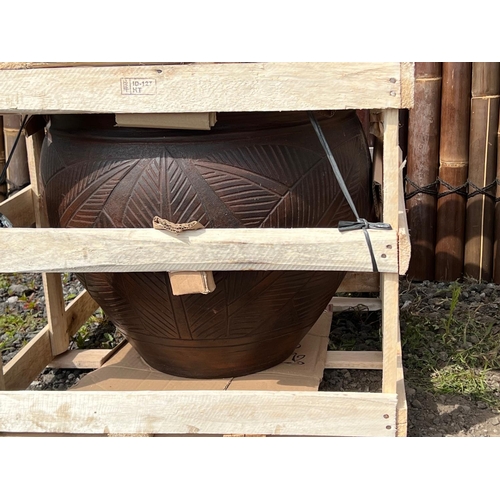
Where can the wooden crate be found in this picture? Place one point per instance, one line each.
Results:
(385, 87)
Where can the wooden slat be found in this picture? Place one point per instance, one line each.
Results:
(404, 245)
(193, 412)
(2, 380)
(56, 315)
(359, 282)
(18, 208)
(80, 358)
(52, 284)
(28, 363)
(78, 312)
(355, 360)
(338, 304)
(134, 250)
(390, 282)
(401, 407)
(206, 88)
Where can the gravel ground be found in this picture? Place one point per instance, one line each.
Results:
(438, 324)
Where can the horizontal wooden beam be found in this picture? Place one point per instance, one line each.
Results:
(18, 208)
(136, 250)
(356, 360)
(205, 87)
(338, 304)
(360, 282)
(199, 412)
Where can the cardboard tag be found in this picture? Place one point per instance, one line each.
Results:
(186, 282)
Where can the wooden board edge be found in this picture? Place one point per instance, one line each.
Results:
(338, 304)
(402, 405)
(354, 360)
(89, 359)
(200, 412)
(115, 250)
(19, 209)
(29, 362)
(230, 87)
(360, 282)
(404, 243)
(407, 85)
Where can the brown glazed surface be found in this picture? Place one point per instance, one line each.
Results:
(251, 170)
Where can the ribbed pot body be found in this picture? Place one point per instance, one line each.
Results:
(250, 170)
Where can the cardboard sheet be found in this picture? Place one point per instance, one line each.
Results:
(302, 371)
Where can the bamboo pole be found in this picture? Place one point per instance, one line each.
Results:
(453, 166)
(17, 173)
(479, 228)
(496, 246)
(422, 168)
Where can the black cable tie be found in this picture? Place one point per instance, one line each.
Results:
(360, 222)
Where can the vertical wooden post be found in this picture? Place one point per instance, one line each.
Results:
(453, 166)
(422, 168)
(479, 226)
(390, 281)
(3, 185)
(17, 174)
(2, 381)
(54, 298)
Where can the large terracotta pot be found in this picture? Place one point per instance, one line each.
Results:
(251, 170)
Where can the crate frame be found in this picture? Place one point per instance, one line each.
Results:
(382, 87)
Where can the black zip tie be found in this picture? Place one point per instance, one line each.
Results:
(11, 154)
(345, 225)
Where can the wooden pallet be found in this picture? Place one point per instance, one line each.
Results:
(385, 87)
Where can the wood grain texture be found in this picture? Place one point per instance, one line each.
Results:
(402, 405)
(17, 173)
(200, 412)
(407, 85)
(80, 359)
(355, 360)
(338, 304)
(135, 250)
(2, 380)
(206, 88)
(480, 210)
(18, 208)
(360, 282)
(28, 363)
(389, 283)
(422, 167)
(390, 328)
(404, 244)
(453, 168)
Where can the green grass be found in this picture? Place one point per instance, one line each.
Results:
(451, 354)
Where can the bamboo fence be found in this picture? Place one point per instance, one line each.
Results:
(422, 168)
(479, 230)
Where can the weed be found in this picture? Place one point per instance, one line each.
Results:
(451, 354)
